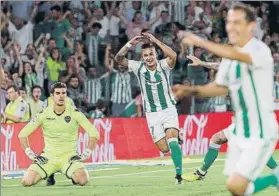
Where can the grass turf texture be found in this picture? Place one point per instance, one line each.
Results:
(134, 180)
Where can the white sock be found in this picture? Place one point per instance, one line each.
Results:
(250, 189)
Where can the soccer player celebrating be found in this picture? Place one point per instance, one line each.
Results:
(159, 103)
(60, 125)
(246, 71)
(218, 139)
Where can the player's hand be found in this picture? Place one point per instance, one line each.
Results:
(181, 91)
(41, 159)
(190, 39)
(196, 61)
(84, 156)
(150, 37)
(136, 40)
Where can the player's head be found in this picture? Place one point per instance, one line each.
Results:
(59, 93)
(148, 54)
(241, 21)
(12, 93)
(36, 92)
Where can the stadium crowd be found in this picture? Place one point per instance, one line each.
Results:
(75, 43)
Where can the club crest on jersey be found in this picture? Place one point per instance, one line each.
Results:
(67, 119)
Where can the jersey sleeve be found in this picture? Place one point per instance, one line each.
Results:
(21, 110)
(164, 64)
(134, 65)
(32, 125)
(86, 124)
(222, 74)
(260, 54)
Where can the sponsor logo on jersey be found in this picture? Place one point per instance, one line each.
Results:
(50, 118)
(67, 119)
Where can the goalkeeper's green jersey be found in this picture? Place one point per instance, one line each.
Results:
(60, 131)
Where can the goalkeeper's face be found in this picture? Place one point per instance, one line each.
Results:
(59, 96)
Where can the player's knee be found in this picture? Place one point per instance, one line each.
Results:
(236, 188)
(27, 182)
(165, 150)
(171, 133)
(218, 138)
(83, 181)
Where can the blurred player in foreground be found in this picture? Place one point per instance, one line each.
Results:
(218, 139)
(158, 100)
(246, 71)
(60, 125)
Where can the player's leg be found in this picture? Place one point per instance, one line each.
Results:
(36, 172)
(216, 141)
(255, 154)
(171, 127)
(31, 178)
(75, 171)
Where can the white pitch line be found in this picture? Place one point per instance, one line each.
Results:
(113, 176)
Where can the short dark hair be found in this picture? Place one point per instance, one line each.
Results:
(164, 12)
(14, 87)
(147, 45)
(22, 89)
(96, 25)
(57, 85)
(100, 104)
(56, 8)
(36, 86)
(249, 11)
(73, 76)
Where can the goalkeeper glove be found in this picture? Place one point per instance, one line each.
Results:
(84, 156)
(34, 157)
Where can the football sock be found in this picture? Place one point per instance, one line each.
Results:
(176, 154)
(261, 183)
(271, 163)
(210, 156)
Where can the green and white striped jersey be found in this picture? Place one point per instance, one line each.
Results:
(251, 91)
(155, 85)
(276, 90)
(220, 100)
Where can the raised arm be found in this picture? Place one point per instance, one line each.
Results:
(68, 41)
(222, 50)
(121, 16)
(158, 15)
(171, 55)
(120, 56)
(20, 70)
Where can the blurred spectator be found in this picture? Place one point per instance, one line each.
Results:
(23, 33)
(140, 112)
(54, 65)
(99, 111)
(23, 93)
(184, 105)
(93, 85)
(76, 93)
(276, 91)
(17, 110)
(36, 105)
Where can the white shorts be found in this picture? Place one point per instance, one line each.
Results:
(228, 131)
(159, 121)
(248, 157)
(220, 108)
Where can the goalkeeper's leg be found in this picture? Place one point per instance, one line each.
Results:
(30, 178)
(76, 171)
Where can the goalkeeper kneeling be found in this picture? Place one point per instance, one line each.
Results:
(60, 124)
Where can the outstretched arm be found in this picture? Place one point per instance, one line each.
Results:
(171, 55)
(198, 62)
(120, 56)
(209, 90)
(222, 50)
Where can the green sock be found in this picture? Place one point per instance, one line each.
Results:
(261, 183)
(210, 156)
(176, 155)
(271, 163)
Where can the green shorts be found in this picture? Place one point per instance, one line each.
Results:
(57, 165)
